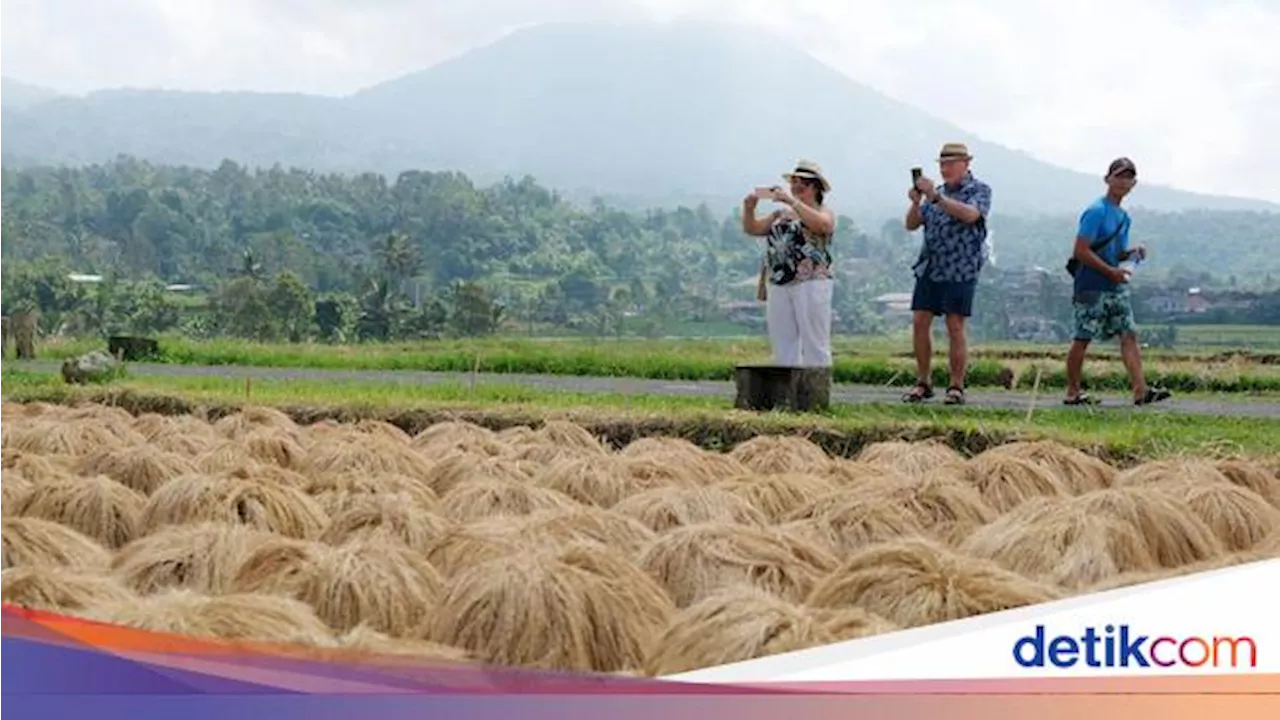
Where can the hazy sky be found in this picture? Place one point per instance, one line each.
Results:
(1189, 88)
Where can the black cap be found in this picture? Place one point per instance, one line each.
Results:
(1120, 165)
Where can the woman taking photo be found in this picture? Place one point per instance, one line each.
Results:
(796, 279)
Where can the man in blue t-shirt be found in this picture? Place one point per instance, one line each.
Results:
(1101, 301)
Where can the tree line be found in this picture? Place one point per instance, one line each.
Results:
(291, 254)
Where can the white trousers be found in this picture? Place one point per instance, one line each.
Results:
(798, 315)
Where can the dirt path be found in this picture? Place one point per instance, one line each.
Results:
(1235, 406)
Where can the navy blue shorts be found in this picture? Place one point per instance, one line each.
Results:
(944, 298)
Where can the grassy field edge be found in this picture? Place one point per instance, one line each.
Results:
(1119, 442)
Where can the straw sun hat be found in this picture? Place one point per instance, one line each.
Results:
(809, 170)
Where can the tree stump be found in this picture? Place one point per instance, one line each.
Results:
(133, 349)
(24, 335)
(773, 387)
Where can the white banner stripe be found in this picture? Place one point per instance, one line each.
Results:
(1231, 603)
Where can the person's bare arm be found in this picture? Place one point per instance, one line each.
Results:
(819, 220)
(753, 225)
(914, 219)
(967, 213)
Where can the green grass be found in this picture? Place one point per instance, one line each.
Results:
(1255, 337)
(1122, 434)
(869, 361)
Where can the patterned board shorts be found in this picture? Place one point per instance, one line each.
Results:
(1104, 315)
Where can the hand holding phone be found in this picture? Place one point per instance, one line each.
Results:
(916, 174)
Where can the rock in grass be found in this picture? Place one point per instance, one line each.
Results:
(92, 367)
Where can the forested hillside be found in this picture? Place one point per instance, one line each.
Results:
(279, 254)
(643, 115)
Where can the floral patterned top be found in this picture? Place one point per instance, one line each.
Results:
(795, 253)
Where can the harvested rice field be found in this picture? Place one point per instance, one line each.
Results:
(547, 548)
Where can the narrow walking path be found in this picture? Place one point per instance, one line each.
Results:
(1236, 406)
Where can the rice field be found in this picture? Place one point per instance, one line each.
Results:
(545, 547)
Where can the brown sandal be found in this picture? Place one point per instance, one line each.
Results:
(920, 393)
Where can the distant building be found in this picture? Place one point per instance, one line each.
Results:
(893, 305)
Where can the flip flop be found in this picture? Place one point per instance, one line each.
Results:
(1081, 399)
(1154, 395)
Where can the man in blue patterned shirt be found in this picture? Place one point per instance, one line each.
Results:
(954, 217)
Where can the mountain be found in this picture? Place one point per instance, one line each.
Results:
(18, 95)
(637, 114)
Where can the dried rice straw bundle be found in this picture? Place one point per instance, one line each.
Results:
(481, 499)
(98, 507)
(661, 448)
(778, 494)
(941, 504)
(1079, 471)
(35, 467)
(517, 435)
(335, 492)
(733, 624)
(1130, 579)
(268, 475)
(150, 424)
(142, 468)
(370, 454)
(247, 616)
(34, 542)
(204, 557)
(60, 590)
(694, 561)
(920, 582)
(661, 509)
(860, 475)
(14, 489)
(848, 520)
(465, 545)
(277, 566)
(76, 438)
(371, 580)
(910, 458)
(599, 481)
(1253, 476)
(445, 438)
(394, 517)
(1174, 470)
(649, 473)
(253, 418)
(1006, 481)
(704, 466)
(569, 434)
(541, 454)
(781, 454)
(382, 429)
(202, 498)
(97, 413)
(851, 623)
(459, 469)
(583, 607)
(1175, 535)
(585, 524)
(1061, 544)
(1239, 517)
(274, 448)
(364, 639)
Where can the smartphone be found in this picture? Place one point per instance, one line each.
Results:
(915, 175)
(765, 193)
